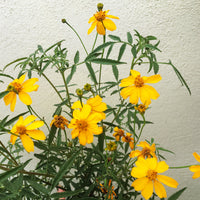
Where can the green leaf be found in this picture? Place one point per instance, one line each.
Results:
(38, 186)
(40, 48)
(52, 134)
(109, 51)
(129, 37)
(73, 70)
(105, 61)
(76, 57)
(92, 56)
(150, 37)
(12, 172)
(103, 46)
(176, 195)
(57, 43)
(134, 51)
(91, 71)
(183, 82)
(17, 60)
(115, 72)
(6, 75)
(114, 37)
(11, 121)
(2, 94)
(155, 67)
(64, 169)
(66, 194)
(150, 46)
(121, 51)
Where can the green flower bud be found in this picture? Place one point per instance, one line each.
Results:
(87, 87)
(10, 88)
(79, 92)
(64, 21)
(99, 6)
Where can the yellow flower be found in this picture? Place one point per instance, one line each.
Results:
(128, 139)
(20, 88)
(141, 108)
(27, 130)
(135, 88)
(100, 21)
(118, 133)
(146, 152)
(111, 146)
(84, 124)
(59, 121)
(96, 104)
(148, 177)
(195, 168)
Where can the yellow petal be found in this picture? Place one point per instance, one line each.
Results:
(21, 79)
(76, 105)
(34, 125)
(167, 181)
(126, 92)
(135, 153)
(143, 144)
(19, 122)
(152, 79)
(89, 136)
(86, 110)
(36, 134)
(137, 172)
(92, 27)
(197, 157)
(29, 119)
(28, 85)
(100, 28)
(109, 24)
(92, 19)
(27, 143)
(74, 133)
(151, 163)
(195, 168)
(140, 183)
(13, 139)
(153, 94)
(112, 16)
(13, 102)
(159, 189)
(148, 190)
(97, 130)
(196, 175)
(82, 138)
(162, 167)
(135, 73)
(25, 98)
(134, 97)
(9, 97)
(127, 81)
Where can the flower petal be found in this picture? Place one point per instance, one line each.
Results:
(139, 172)
(135, 153)
(76, 105)
(25, 98)
(89, 136)
(126, 92)
(8, 98)
(29, 119)
(85, 111)
(140, 183)
(127, 81)
(21, 79)
(13, 139)
(152, 79)
(153, 94)
(28, 85)
(159, 189)
(197, 157)
(36, 134)
(13, 102)
(27, 143)
(82, 138)
(92, 19)
(162, 167)
(148, 190)
(74, 133)
(143, 144)
(92, 27)
(109, 24)
(100, 28)
(135, 73)
(196, 175)
(34, 125)
(195, 168)
(112, 16)
(167, 181)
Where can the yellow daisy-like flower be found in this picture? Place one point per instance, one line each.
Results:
(27, 130)
(20, 88)
(96, 104)
(147, 151)
(135, 87)
(195, 168)
(59, 121)
(128, 139)
(141, 108)
(118, 133)
(100, 21)
(148, 177)
(84, 125)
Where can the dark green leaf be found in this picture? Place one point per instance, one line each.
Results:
(76, 57)
(109, 51)
(129, 37)
(64, 169)
(121, 51)
(52, 134)
(105, 61)
(162, 149)
(134, 51)
(115, 72)
(40, 48)
(114, 37)
(6, 75)
(73, 70)
(155, 67)
(66, 194)
(152, 47)
(2, 94)
(17, 60)
(91, 71)
(176, 195)
(38, 186)
(92, 56)
(150, 37)
(57, 43)
(103, 46)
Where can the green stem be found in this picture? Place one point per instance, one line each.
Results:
(101, 139)
(77, 36)
(13, 159)
(180, 167)
(95, 41)
(141, 129)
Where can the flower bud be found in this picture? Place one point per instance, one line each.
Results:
(79, 92)
(10, 88)
(64, 21)
(87, 87)
(99, 6)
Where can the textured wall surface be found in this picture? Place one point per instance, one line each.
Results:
(25, 24)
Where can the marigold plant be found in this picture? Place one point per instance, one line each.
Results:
(92, 146)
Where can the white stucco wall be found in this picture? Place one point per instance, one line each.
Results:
(25, 24)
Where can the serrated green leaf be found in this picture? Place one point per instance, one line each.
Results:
(2, 94)
(114, 37)
(91, 71)
(105, 61)
(129, 37)
(115, 72)
(176, 195)
(121, 51)
(76, 57)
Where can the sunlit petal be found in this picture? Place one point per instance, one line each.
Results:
(159, 189)
(25, 98)
(167, 181)
(36, 134)
(27, 143)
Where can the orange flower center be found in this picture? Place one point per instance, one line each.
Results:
(60, 122)
(82, 125)
(17, 87)
(152, 175)
(139, 81)
(21, 130)
(146, 152)
(100, 16)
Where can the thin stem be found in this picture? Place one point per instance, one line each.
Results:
(95, 41)
(9, 153)
(180, 167)
(141, 129)
(77, 36)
